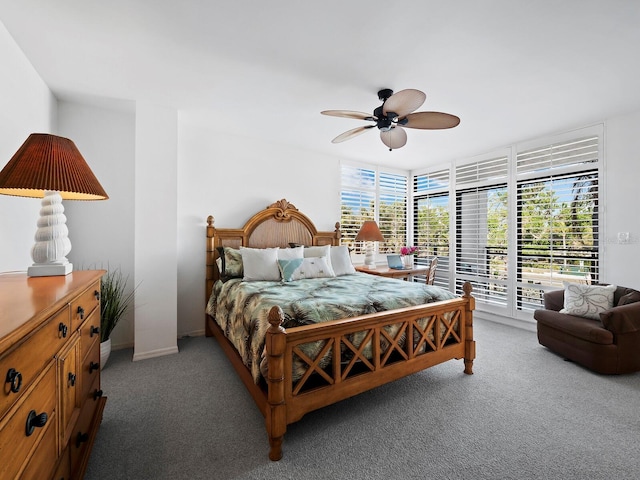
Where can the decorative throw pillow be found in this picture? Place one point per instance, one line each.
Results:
(233, 267)
(288, 268)
(632, 296)
(260, 264)
(587, 300)
(315, 251)
(229, 263)
(312, 267)
(341, 261)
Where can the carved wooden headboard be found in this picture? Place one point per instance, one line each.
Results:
(277, 225)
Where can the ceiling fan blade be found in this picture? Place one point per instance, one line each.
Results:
(394, 138)
(348, 114)
(349, 134)
(431, 120)
(404, 102)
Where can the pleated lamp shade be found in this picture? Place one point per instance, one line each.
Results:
(369, 232)
(48, 162)
(50, 167)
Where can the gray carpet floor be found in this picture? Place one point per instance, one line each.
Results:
(525, 414)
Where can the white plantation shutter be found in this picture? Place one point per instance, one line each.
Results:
(557, 218)
(392, 218)
(484, 172)
(357, 200)
(431, 221)
(371, 194)
(481, 229)
(575, 153)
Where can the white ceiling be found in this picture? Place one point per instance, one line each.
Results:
(510, 69)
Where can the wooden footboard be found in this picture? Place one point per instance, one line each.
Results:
(387, 346)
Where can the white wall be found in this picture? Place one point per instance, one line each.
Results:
(102, 232)
(26, 106)
(232, 177)
(156, 236)
(621, 262)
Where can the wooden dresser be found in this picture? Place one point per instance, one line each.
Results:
(51, 403)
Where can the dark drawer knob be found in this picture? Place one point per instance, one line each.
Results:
(14, 378)
(93, 366)
(34, 420)
(72, 379)
(96, 293)
(97, 394)
(81, 313)
(81, 438)
(94, 331)
(62, 328)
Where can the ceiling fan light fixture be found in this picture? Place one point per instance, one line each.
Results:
(395, 113)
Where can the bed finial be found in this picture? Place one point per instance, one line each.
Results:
(210, 221)
(283, 204)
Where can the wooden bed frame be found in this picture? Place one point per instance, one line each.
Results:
(283, 401)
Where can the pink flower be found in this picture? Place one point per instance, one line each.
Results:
(408, 250)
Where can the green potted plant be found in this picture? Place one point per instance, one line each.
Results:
(115, 301)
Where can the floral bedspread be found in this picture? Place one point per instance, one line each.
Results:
(242, 308)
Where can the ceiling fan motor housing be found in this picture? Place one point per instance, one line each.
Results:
(383, 122)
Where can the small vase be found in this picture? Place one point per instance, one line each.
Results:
(105, 351)
(407, 261)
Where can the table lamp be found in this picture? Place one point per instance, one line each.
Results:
(369, 233)
(50, 167)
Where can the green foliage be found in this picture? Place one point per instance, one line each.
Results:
(114, 301)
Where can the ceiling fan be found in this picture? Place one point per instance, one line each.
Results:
(393, 115)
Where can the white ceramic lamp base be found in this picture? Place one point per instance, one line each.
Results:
(369, 257)
(52, 240)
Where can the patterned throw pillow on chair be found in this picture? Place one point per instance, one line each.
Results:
(587, 300)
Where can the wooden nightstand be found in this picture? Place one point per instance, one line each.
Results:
(404, 274)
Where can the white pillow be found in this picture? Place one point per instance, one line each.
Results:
(291, 253)
(260, 264)
(323, 251)
(341, 261)
(587, 300)
(315, 251)
(312, 267)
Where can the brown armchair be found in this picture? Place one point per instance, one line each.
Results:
(610, 345)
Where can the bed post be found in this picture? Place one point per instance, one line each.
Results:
(276, 411)
(210, 267)
(469, 344)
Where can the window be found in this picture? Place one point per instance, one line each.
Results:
(481, 229)
(431, 221)
(371, 194)
(557, 218)
(392, 216)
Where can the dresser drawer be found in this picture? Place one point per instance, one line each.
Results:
(17, 439)
(82, 306)
(69, 388)
(63, 471)
(82, 435)
(45, 456)
(20, 366)
(89, 333)
(90, 369)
